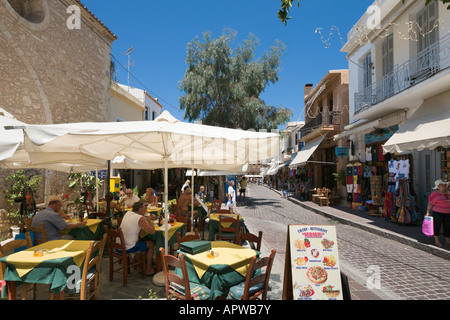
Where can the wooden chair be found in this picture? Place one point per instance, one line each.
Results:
(217, 205)
(184, 220)
(254, 288)
(324, 198)
(229, 211)
(179, 287)
(118, 255)
(315, 197)
(39, 230)
(189, 237)
(119, 221)
(9, 248)
(88, 287)
(92, 213)
(228, 233)
(28, 222)
(333, 197)
(254, 240)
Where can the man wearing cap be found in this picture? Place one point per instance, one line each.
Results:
(439, 201)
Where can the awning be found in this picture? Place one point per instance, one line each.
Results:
(427, 128)
(304, 155)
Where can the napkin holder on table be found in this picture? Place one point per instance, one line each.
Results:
(195, 246)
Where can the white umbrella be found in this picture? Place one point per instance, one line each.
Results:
(163, 143)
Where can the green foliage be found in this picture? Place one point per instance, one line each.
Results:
(285, 9)
(223, 86)
(341, 177)
(77, 180)
(287, 4)
(15, 183)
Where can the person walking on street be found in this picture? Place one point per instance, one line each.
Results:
(242, 188)
(231, 196)
(439, 202)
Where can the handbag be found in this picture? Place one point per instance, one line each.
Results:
(427, 226)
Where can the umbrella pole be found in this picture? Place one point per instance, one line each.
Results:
(166, 206)
(96, 189)
(192, 201)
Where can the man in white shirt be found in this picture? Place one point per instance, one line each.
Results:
(132, 223)
(231, 196)
(129, 199)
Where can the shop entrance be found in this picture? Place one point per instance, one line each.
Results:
(429, 171)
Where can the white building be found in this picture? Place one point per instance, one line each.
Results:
(151, 107)
(399, 87)
(133, 104)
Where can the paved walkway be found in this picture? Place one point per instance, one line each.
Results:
(404, 270)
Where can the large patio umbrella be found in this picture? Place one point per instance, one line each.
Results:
(14, 156)
(163, 143)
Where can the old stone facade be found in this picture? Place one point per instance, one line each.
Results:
(54, 67)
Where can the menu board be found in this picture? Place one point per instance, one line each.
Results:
(312, 264)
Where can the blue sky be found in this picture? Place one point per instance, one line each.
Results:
(159, 31)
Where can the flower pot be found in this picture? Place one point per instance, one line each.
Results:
(15, 231)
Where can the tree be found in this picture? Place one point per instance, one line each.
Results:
(223, 86)
(287, 4)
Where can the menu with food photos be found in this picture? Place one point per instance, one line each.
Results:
(313, 264)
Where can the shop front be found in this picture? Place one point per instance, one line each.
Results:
(383, 185)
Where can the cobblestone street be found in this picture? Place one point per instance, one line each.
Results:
(406, 273)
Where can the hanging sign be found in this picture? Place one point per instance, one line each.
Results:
(341, 152)
(312, 269)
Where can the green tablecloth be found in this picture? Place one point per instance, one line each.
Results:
(213, 226)
(24, 267)
(158, 237)
(93, 230)
(220, 273)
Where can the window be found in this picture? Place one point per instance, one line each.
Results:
(32, 13)
(367, 71)
(427, 40)
(387, 50)
(428, 26)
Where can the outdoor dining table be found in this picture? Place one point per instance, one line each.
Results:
(92, 230)
(213, 226)
(228, 267)
(175, 228)
(50, 268)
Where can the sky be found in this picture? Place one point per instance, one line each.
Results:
(159, 32)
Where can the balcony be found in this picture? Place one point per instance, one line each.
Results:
(326, 119)
(429, 62)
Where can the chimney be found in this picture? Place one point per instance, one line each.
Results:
(308, 89)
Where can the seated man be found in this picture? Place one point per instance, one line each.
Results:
(53, 222)
(184, 200)
(129, 199)
(132, 223)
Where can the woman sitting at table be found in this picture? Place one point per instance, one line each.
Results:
(132, 223)
(151, 198)
(53, 222)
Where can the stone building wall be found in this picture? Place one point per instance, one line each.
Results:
(53, 70)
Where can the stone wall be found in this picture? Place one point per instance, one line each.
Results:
(51, 73)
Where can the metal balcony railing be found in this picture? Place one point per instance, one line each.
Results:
(325, 118)
(429, 62)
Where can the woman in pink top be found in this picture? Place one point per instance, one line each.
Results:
(440, 202)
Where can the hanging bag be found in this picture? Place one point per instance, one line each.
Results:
(427, 226)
